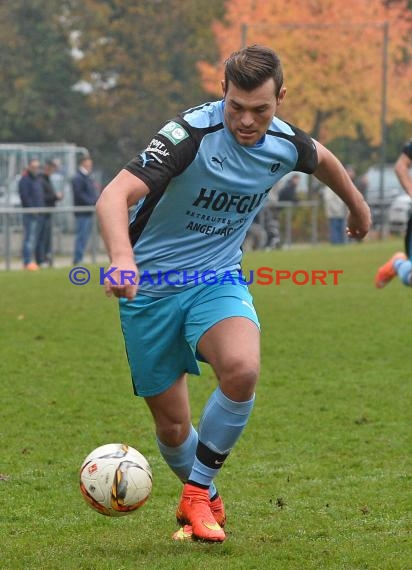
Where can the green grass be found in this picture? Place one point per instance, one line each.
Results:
(321, 478)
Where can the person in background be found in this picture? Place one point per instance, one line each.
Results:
(400, 263)
(44, 250)
(84, 194)
(31, 196)
(268, 220)
(336, 212)
(362, 184)
(288, 193)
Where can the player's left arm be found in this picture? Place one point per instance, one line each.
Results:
(330, 171)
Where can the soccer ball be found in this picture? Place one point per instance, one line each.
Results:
(115, 479)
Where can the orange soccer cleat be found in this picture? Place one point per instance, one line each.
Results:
(194, 511)
(216, 506)
(184, 533)
(31, 266)
(218, 510)
(387, 272)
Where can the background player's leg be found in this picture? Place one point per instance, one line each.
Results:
(404, 270)
(408, 239)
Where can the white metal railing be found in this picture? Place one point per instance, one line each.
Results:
(62, 222)
(11, 224)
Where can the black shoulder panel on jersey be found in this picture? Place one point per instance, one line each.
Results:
(162, 160)
(139, 223)
(407, 149)
(307, 154)
(165, 157)
(199, 132)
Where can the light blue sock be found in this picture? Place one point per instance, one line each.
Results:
(180, 459)
(221, 425)
(404, 270)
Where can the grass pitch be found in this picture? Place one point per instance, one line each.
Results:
(321, 478)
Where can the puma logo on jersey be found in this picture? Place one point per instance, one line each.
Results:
(218, 161)
(145, 159)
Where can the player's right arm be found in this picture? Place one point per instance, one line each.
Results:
(119, 195)
(402, 169)
(331, 172)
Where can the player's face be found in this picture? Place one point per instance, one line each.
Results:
(248, 113)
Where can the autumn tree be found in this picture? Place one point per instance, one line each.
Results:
(332, 53)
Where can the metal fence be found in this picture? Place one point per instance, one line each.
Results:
(297, 223)
(284, 224)
(11, 233)
(15, 157)
(303, 222)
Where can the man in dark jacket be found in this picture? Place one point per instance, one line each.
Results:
(31, 196)
(44, 249)
(84, 194)
(288, 193)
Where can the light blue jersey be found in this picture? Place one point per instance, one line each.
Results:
(205, 191)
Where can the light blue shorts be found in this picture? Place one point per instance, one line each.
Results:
(161, 334)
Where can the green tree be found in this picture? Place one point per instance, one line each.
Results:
(37, 74)
(139, 60)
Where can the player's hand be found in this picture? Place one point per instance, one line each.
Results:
(359, 221)
(122, 278)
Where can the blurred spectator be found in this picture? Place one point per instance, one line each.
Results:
(335, 211)
(362, 184)
(268, 219)
(84, 194)
(31, 196)
(288, 192)
(255, 238)
(45, 249)
(351, 171)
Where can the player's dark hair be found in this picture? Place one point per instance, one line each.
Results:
(252, 66)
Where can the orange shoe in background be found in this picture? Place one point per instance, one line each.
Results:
(32, 266)
(387, 272)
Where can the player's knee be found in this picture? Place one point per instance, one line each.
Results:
(171, 433)
(238, 378)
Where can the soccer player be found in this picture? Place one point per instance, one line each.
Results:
(193, 193)
(400, 264)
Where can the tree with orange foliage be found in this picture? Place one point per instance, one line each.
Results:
(332, 54)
